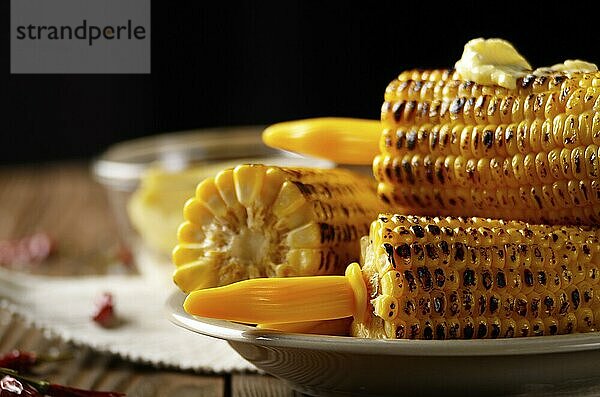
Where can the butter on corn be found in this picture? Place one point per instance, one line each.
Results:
(497, 62)
(459, 143)
(451, 146)
(492, 62)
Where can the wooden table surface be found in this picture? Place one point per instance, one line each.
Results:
(64, 201)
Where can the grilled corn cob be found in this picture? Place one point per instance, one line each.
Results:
(454, 147)
(439, 278)
(258, 221)
(515, 143)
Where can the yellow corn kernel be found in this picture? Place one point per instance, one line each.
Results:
(544, 131)
(260, 221)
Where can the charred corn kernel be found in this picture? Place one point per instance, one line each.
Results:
(258, 221)
(479, 151)
(485, 148)
(522, 290)
(343, 140)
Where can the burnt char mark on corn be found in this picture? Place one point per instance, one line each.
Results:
(557, 203)
(467, 169)
(530, 153)
(500, 278)
(389, 249)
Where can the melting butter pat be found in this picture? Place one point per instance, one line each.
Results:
(570, 65)
(492, 62)
(497, 62)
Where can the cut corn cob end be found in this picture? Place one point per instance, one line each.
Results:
(342, 140)
(259, 221)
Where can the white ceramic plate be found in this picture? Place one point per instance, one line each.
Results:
(333, 365)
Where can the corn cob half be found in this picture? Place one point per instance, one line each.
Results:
(454, 147)
(259, 221)
(439, 278)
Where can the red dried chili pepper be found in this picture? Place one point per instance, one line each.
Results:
(23, 361)
(105, 311)
(19, 361)
(16, 384)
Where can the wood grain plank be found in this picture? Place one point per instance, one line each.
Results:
(115, 377)
(91, 370)
(64, 201)
(176, 384)
(11, 337)
(251, 385)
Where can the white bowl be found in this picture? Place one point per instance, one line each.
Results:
(341, 366)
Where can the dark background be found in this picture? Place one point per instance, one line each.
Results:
(262, 62)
